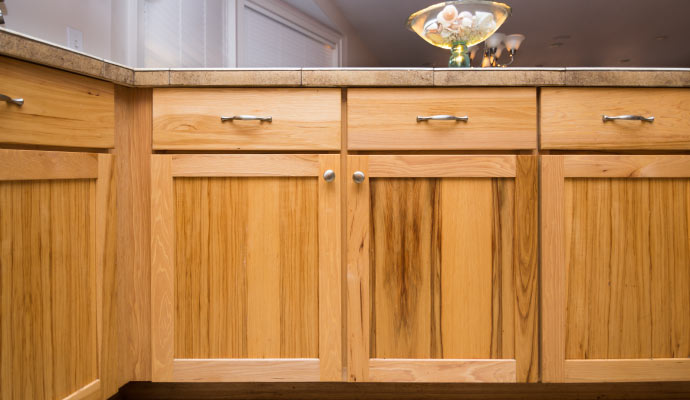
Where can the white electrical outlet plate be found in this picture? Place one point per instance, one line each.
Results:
(75, 39)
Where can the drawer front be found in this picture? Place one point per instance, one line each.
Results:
(497, 119)
(301, 119)
(572, 118)
(60, 108)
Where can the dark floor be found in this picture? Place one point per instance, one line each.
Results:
(401, 391)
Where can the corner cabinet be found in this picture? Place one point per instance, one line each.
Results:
(615, 268)
(442, 278)
(246, 279)
(57, 260)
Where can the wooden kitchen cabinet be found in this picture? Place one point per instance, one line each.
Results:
(245, 281)
(615, 268)
(57, 259)
(442, 268)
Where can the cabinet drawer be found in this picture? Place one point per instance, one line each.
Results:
(301, 119)
(572, 118)
(497, 119)
(60, 108)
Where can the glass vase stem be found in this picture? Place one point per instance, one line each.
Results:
(459, 56)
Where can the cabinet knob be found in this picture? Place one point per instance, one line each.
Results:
(329, 175)
(358, 177)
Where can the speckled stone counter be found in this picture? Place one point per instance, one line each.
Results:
(13, 44)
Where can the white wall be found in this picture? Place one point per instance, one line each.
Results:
(355, 51)
(48, 20)
(124, 32)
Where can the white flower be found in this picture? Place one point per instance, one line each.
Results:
(447, 16)
(484, 22)
(465, 14)
(432, 28)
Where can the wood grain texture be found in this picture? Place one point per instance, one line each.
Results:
(628, 260)
(626, 370)
(526, 269)
(467, 326)
(162, 268)
(133, 153)
(444, 279)
(246, 267)
(571, 118)
(60, 108)
(403, 251)
(625, 166)
(23, 165)
(106, 254)
(553, 269)
(358, 296)
(90, 391)
(386, 119)
(406, 370)
(303, 119)
(438, 166)
(440, 249)
(330, 273)
(49, 293)
(209, 165)
(247, 370)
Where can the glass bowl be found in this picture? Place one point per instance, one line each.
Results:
(458, 25)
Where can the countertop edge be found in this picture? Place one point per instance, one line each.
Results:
(17, 45)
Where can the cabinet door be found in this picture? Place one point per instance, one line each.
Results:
(442, 268)
(616, 268)
(57, 243)
(245, 268)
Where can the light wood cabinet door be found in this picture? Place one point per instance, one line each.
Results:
(57, 243)
(615, 268)
(442, 268)
(246, 268)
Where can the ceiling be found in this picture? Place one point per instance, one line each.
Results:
(572, 33)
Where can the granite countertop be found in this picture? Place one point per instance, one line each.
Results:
(16, 45)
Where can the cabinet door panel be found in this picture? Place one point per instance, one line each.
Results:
(624, 267)
(246, 268)
(438, 255)
(437, 249)
(246, 276)
(52, 234)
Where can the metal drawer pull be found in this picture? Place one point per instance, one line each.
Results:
(358, 177)
(442, 118)
(329, 175)
(8, 99)
(246, 118)
(627, 118)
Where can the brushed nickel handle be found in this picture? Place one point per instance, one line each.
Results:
(8, 99)
(358, 177)
(627, 118)
(442, 118)
(246, 118)
(329, 175)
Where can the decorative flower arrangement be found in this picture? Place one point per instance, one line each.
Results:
(452, 26)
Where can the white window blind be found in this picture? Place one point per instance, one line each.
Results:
(183, 33)
(272, 42)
